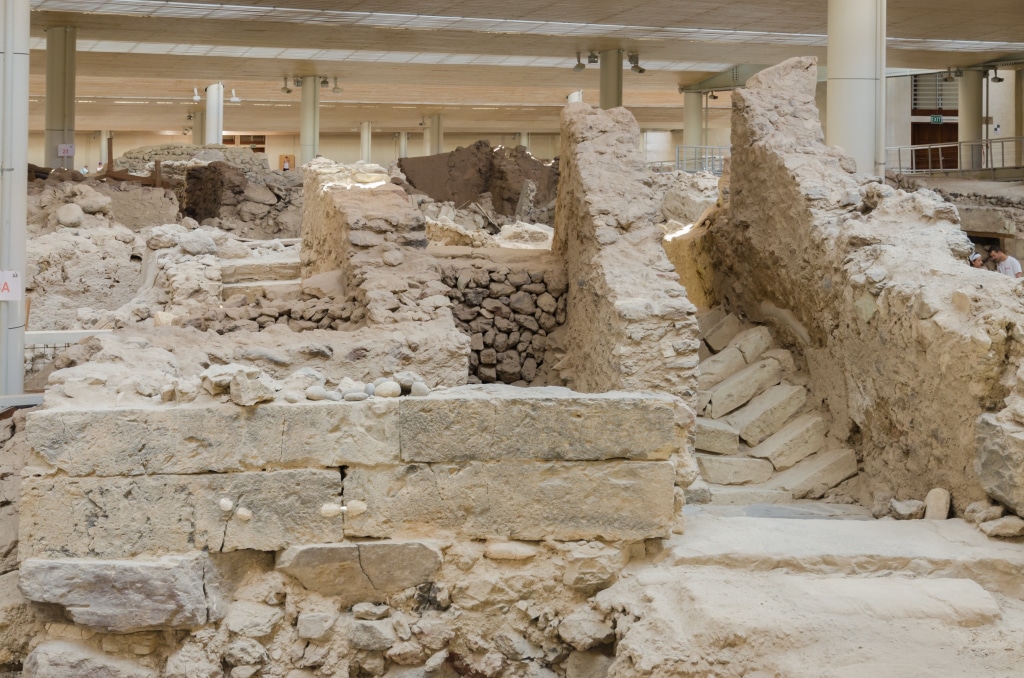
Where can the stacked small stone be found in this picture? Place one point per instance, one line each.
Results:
(508, 316)
(307, 312)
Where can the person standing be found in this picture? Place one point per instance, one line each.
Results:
(1005, 264)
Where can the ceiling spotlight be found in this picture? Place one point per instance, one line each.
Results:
(634, 60)
(195, 94)
(286, 89)
(324, 82)
(234, 98)
(579, 64)
(712, 96)
(593, 58)
(948, 77)
(297, 81)
(996, 77)
(188, 117)
(959, 73)
(336, 89)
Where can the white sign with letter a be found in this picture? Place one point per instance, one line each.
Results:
(10, 286)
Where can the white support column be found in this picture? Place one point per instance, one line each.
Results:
(60, 94)
(104, 135)
(693, 129)
(309, 128)
(856, 85)
(611, 78)
(14, 35)
(403, 144)
(524, 140)
(436, 134)
(214, 113)
(199, 128)
(1018, 113)
(365, 140)
(971, 89)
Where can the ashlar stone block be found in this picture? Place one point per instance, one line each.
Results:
(720, 366)
(493, 422)
(122, 596)
(999, 460)
(361, 572)
(827, 469)
(768, 412)
(752, 343)
(125, 517)
(63, 659)
(738, 389)
(216, 439)
(719, 336)
(798, 439)
(531, 501)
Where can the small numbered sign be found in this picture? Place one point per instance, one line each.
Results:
(10, 286)
(65, 150)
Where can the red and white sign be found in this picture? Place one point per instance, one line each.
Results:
(65, 150)
(10, 286)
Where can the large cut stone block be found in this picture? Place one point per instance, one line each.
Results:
(766, 413)
(122, 596)
(752, 343)
(218, 439)
(798, 439)
(1000, 460)
(733, 470)
(822, 469)
(65, 659)
(609, 500)
(720, 366)
(745, 495)
(550, 423)
(711, 435)
(123, 517)
(361, 572)
(719, 336)
(738, 389)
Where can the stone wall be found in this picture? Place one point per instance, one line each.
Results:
(906, 346)
(140, 160)
(267, 207)
(629, 322)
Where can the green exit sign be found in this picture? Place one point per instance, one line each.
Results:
(936, 119)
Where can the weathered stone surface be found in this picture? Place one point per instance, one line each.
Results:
(1000, 460)
(586, 628)
(798, 439)
(610, 500)
(123, 596)
(314, 625)
(983, 511)
(719, 336)
(1008, 526)
(752, 343)
(217, 438)
(719, 366)
(711, 435)
(360, 572)
(373, 636)
(827, 469)
(593, 566)
(123, 517)
(936, 504)
(252, 620)
(64, 659)
(737, 390)
(909, 509)
(550, 423)
(745, 495)
(766, 413)
(733, 470)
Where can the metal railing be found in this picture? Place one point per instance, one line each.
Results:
(957, 157)
(702, 158)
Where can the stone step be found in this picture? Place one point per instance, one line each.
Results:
(923, 548)
(715, 436)
(820, 470)
(795, 441)
(719, 367)
(719, 336)
(257, 269)
(752, 343)
(737, 390)
(272, 289)
(746, 495)
(768, 412)
(733, 470)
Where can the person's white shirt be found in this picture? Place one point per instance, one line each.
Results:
(1009, 266)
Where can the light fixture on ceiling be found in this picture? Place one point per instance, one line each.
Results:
(195, 94)
(234, 98)
(336, 89)
(579, 64)
(712, 96)
(286, 89)
(948, 77)
(634, 60)
(297, 81)
(593, 58)
(324, 82)
(996, 77)
(188, 117)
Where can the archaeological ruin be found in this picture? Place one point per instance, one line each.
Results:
(485, 412)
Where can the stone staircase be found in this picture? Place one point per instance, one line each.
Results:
(757, 438)
(278, 273)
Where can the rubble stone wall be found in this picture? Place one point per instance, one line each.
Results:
(905, 345)
(139, 160)
(629, 323)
